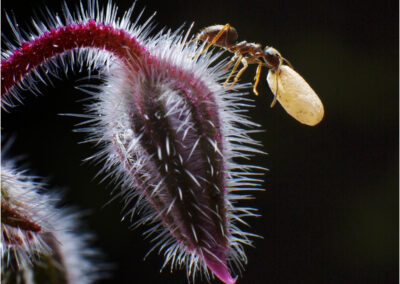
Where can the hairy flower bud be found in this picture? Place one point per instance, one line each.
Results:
(168, 131)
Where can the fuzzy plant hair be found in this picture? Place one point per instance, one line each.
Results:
(40, 241)
(170, 136)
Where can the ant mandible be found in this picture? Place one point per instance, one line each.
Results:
(225, 36)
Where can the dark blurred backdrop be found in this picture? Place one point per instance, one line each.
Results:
(330, 209)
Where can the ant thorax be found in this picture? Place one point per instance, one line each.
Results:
(248, 49)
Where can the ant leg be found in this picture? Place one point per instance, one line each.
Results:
(227, 26)
(229, 63)
(276, 88)
(245, 65)
(189, 42)
(257, 78)
(233, 70)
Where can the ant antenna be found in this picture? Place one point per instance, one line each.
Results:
(287, 62)
(275, 95)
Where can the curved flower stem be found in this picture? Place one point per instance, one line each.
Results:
(62, 39)
(82, 35)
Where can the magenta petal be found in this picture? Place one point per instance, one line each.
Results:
(217, 264)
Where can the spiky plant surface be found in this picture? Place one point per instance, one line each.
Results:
(168, 132)
(41, 242)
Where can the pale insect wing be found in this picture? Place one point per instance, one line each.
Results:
(296, 96)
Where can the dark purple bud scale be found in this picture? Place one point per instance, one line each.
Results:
(188, 161)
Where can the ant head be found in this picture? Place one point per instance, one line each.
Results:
(272, 58)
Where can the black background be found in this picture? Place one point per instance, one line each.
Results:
(330, 209)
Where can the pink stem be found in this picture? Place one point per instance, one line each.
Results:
(62, 39)
(81, 35)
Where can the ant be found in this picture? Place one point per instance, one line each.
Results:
(225, 36)
(295, 94)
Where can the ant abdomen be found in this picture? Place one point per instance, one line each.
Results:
(228, 37)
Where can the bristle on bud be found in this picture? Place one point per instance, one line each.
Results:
(168, 131)
(41, 243)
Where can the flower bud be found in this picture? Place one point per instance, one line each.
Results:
(169, 133)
